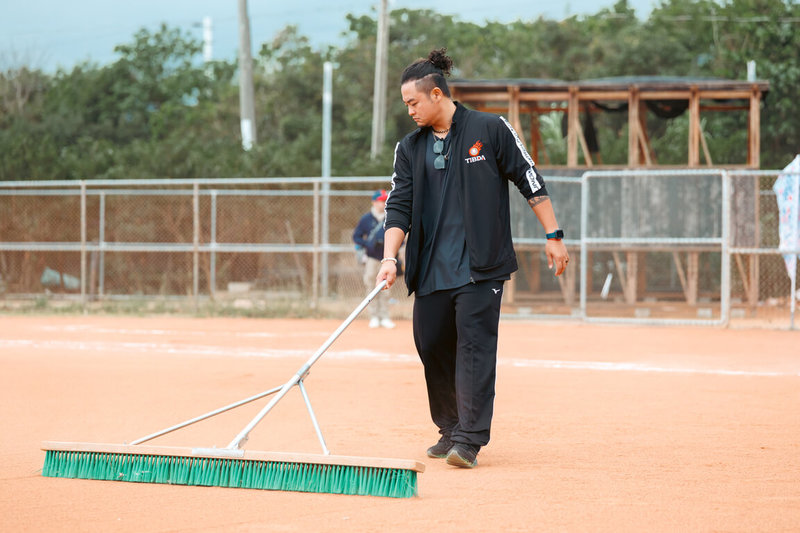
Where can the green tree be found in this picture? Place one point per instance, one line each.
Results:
(158, 112)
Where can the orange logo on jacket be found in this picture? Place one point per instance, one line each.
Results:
(476, 149)
(474, 153)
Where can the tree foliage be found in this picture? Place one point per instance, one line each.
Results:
(157, 111)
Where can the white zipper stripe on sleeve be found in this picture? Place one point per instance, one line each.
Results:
(394, 175)
(530, 174)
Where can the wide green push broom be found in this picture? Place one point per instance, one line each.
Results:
(234, 467)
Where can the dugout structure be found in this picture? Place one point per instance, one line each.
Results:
(630, 117)
(662, 97)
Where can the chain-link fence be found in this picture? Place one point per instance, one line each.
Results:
(764, 245)
(681, 246)
(269, 245)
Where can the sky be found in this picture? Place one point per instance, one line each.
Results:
(48, 34)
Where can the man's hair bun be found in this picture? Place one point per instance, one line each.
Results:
(441, 60)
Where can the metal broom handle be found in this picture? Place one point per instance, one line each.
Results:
(241, 438)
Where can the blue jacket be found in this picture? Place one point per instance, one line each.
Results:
(487, 154)
(369, 235)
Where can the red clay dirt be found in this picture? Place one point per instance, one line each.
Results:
(597, 428)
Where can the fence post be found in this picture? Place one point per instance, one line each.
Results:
(83, 245)
(196, 239)
(795, 243)
(213, 244)
(725, 282)
(584, 248)
(315, 253)
(101, 274)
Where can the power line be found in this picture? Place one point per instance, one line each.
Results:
(710, 18)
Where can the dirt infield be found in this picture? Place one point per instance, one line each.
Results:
(597, 428)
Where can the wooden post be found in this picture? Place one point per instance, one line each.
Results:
(704, 144)
(633, 127)
(647, 156)
(688, 278)
(587, 156)
(694, 127)
(754, 129)
(628, 276)
(641, 273)
(566, 282)
(573, 123)
(692, 273)
(513, 111)
(536, 137)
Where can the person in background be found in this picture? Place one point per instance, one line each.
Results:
(368, 237)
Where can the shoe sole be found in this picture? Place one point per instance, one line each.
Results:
(454, 459)
(436, 455)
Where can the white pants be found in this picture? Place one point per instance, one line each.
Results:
(379, 308)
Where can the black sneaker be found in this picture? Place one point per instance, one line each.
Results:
(440, 449)
(463, 455)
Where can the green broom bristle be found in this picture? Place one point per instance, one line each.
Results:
(225, 472)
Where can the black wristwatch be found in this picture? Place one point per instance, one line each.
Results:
(556, 235)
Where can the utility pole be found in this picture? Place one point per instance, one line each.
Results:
(327, 112)
(247, 110)
(379, 89)
(208, 39)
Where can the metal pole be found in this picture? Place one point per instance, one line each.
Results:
(327, 101)
(315, 253)
(584, 233)
(205, 416)
(795, 243)
(213, 254)
(196, 240)
(83, 244)
(208, 40)
(246, 98)
(793, 296)
(102, 231)
(325, 450)
(379, 86)
(725, 282)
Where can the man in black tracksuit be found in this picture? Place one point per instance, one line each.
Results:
(450, 194)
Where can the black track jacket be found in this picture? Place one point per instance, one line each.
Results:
(486, 153)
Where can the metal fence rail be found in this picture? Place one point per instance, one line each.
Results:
(675, 246)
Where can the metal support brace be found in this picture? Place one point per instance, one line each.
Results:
(317, 429)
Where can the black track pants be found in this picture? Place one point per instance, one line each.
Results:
(455, 332)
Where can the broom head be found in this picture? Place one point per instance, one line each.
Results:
(224, 467)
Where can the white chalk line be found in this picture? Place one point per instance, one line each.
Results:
(605, 366)
(161, 332)
(116, 347)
